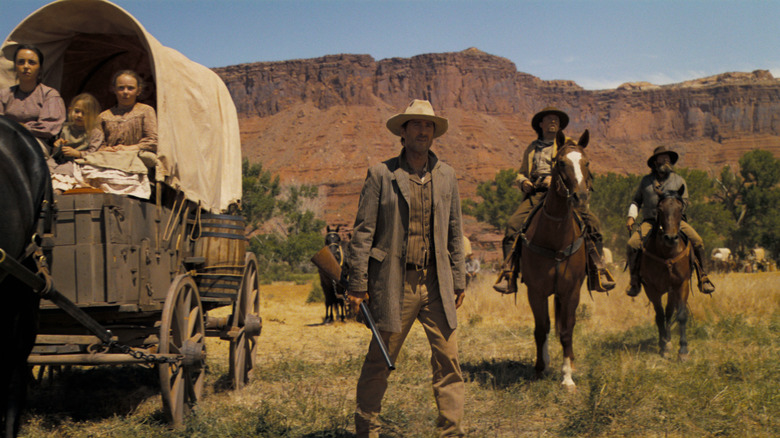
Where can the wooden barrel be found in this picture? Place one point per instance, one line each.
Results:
(222, 244)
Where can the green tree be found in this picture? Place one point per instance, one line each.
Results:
(286, 249)
(500, 198)
(705, 214)
(752, 198)
(609, 202)
(259, 192)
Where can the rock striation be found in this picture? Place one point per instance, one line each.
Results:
(321, 121)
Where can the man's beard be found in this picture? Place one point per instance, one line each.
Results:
(664, 170)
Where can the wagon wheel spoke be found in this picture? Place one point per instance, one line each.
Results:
(243, 347)
(182, 332)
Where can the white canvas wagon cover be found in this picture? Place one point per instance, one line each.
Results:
(85, 42)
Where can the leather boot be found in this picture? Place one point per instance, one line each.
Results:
(599, 278)
(635, 286)
(705, 285)
(507, 279)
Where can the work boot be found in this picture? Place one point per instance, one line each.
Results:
(635, 286)
(705, 285)
(504, 283)
(599, 278)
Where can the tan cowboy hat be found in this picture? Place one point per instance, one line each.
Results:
(562, 116)
(420, 110)
(659, 151)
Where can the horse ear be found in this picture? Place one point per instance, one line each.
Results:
(681, 191)
(327, 228)
(337, 228)
(560, 139)
(584, 139)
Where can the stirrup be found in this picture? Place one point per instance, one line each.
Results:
(600, 280)
(606, 279)
(504, 284)
(705, 285)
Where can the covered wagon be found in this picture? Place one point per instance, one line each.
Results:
(142, 275)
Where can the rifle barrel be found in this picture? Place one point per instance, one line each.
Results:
(375, 332)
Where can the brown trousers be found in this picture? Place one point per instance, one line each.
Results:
(515, 223)
(635, 242)
(421, 301)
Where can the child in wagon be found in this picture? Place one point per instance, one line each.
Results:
(79, 136)
(129, 129)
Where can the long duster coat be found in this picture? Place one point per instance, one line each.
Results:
(377, 257)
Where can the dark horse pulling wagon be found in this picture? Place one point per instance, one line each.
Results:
(130, 280)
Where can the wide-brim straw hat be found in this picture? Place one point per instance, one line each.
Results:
(660, 150)
(562, 117)
(418, 110)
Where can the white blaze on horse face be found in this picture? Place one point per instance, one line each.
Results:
(575, 157)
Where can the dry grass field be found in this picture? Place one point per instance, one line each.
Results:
(304, 383)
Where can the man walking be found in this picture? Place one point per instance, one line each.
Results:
(406, 258)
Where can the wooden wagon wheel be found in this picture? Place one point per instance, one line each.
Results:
(183, 332)
(247, 323)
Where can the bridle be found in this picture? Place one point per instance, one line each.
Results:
(560, 186)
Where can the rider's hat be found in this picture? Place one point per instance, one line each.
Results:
(562, 116)
(660, 150)
(418, 110)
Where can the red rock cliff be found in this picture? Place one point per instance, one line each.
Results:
(321, 121)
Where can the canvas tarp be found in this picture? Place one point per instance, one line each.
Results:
(85, 42)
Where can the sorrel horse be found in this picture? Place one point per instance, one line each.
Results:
(666, 269)
(334, 298)
(554, 254)
(24, 184)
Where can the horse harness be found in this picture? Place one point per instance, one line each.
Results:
(669, 263)
(558, 255)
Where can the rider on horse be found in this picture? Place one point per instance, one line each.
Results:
(661, 178)
(534, 180)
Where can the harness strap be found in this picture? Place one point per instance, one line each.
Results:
(558, 255)
(669, 263)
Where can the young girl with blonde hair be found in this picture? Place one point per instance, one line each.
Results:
(80, 135)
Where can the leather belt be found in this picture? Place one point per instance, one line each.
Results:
(415, 267)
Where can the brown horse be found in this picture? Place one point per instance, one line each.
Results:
(554, 254)
(666, 269)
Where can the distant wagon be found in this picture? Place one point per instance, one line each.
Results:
(721, 260)
(144, 275)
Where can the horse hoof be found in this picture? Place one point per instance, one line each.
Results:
(569, 386)
(664, 350)
(682, 357)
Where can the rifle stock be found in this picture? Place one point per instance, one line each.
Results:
(327, 263)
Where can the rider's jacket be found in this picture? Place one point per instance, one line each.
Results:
(646, 198)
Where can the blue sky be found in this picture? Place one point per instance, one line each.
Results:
(597, 43)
